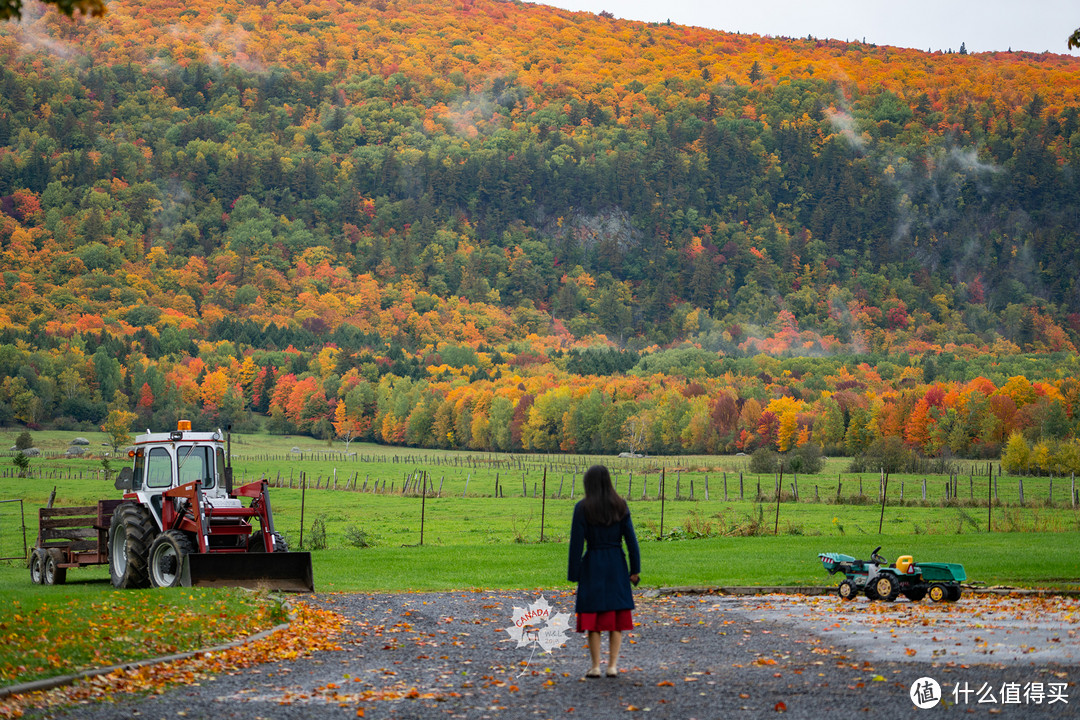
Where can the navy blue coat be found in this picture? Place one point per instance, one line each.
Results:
(602, 576)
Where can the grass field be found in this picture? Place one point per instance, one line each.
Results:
(487, 499)
(483, 516)
(485, 511)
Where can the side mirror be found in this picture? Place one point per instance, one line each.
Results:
(123, 479)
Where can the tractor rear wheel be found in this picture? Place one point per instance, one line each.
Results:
(938, 592)
(847, 590)
(255, 542)
(54, 574)
(37, 566)
(886, 587)
(167, 558)
(130, 534)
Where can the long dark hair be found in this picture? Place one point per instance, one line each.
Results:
(602, 505)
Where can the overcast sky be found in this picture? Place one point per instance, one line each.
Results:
(983, 25)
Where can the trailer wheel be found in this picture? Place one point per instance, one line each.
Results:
(255, 542)
(54, 574)
(167, 558)
(847, 590)
(954, 592)
(37, 566)
(886, 588)
(938, 592)
(130, 534)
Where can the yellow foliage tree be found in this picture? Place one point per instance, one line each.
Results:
(118, 427)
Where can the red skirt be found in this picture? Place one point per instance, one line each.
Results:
(607, 621)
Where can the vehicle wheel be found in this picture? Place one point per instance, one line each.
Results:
(870, 591)
(37, 566)
(54, 574)
(954, 593)
(915, 594)
(130, 533)
(255, 543)
(847, 590)
(938, 592)
(886, 587)
(167, 558)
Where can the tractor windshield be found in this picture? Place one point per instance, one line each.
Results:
(198, 464)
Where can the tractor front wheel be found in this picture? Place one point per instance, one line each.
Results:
(939, 593)
(886, 588)
(255, 542)
(915, 594)
(847, 590)
(54, 574)
(130, 534)
(167, 558)
(37, 566)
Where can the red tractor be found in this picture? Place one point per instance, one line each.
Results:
(180, 523)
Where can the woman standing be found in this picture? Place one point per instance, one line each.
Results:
(604, 599)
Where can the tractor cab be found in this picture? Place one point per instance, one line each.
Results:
(166, 461)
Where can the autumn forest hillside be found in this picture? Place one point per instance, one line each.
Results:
(499, 226)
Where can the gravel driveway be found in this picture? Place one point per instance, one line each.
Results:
(448, 655)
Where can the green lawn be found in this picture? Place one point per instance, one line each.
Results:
(50, 631)
(1018, 559)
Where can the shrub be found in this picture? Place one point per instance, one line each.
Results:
(24, 441)
(317, 538)
(889, 454)
(764, 461)
(22, 464)
(358, 537)
(805, 459)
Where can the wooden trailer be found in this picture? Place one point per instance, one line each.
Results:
(70, 537)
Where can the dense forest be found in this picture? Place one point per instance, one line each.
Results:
(498, 225)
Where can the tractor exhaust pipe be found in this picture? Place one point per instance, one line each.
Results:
(228, 460)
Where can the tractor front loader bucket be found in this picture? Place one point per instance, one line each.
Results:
(285, 571)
